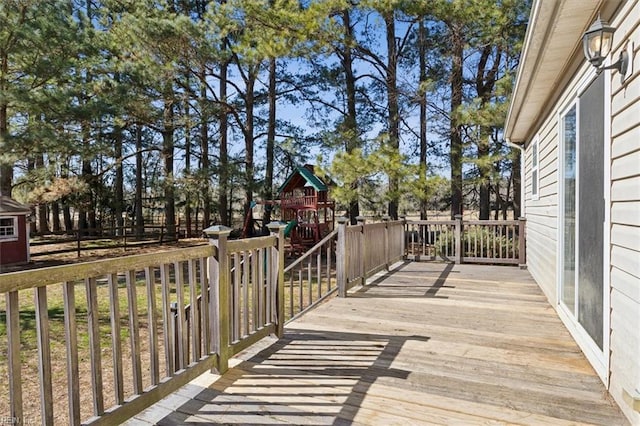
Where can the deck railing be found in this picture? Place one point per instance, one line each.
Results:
(311, 277)
(467, 241)
(109, 338)
(135, 328)
(366, 249)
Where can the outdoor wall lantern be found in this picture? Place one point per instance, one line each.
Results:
(597, 42)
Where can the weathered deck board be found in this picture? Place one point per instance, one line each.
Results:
(428, 344)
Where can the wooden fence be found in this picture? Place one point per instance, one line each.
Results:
(467, 241)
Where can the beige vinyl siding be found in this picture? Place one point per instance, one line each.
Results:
(625, 217)
(542, 213)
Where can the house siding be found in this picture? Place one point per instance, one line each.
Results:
(624, 207)
(625, 217)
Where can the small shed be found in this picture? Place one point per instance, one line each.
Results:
(14, 231)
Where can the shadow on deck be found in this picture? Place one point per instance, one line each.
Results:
(425, 344)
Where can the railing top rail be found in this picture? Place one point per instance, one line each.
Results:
(322, 242)
(23, 280)
(490, 222)
(247, 244)
(354, 228)
(431, 222)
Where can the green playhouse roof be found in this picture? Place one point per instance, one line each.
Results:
(308, 176)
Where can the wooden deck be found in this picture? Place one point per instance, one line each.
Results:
(427, 344)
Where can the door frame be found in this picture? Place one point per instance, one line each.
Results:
(599, 359)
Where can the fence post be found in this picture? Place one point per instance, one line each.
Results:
(458, 238)
(522, 246)
(219, 288)
(362, 261)
(277, 229)
(341, 257)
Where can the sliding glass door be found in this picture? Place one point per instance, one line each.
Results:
(582, 213)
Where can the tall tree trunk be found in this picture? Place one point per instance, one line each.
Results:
(271, 143)
(86, 202)
(187, 171)
(167, 156)
(455, 152)
(139, 184)
(422, 53)
(55, 216)
(118, 207)
(351, 120)
(392, 100)
(484, 167)
(224, 153)
(43, 222)
(205, 163)
(248, 143)
(6, 170)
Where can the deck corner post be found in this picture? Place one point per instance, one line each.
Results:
(522, 242)
(362, 261)
(277, 229)
(458, 238)
(341, 257)
(218, 236)
(387, 261)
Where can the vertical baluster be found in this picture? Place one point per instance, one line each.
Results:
(116, 345)
(44, 355)
(181, 332)
(71, 341)
(291, 274)
(152, 320)
(235, 307)
(310, 282)
(167, 320)
(13, 354)
(255, 289)
(246, 280)
(93, 321)
(204, 307)
(267, 291)
(261, 288)
(134, 332)
(328, 255)
(300, 288)
(195, 312)
(319, 271)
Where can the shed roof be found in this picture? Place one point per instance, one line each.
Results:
(551, 53)
(10, 206)
(306, 173)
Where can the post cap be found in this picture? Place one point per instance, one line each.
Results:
(217, 230)
(457, 216)
(360, 218)
(276, 226)
(386, 218)
(342, 220)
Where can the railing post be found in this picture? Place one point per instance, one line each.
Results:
(458, 238)
(219, 287)
(522, 246)
(405, 229)
(342, 257)
(386, 219)
(277, 229)
(362, 261)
